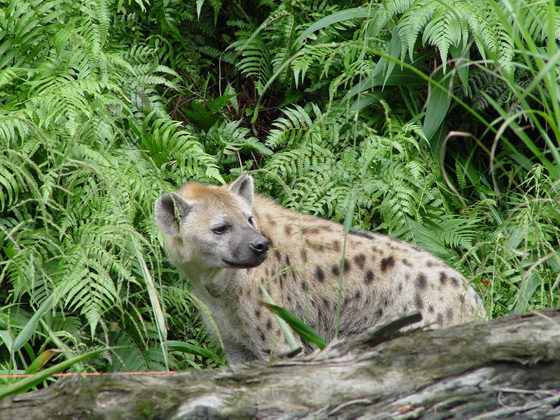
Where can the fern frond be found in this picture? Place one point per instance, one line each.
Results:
(289, 129)
(445, 29)
(414, 21)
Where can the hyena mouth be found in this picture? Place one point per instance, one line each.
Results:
(243, 264)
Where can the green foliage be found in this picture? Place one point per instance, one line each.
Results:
(87, 147)
(434, 121)
(300, 327)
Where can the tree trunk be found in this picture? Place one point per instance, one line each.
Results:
(507, 368)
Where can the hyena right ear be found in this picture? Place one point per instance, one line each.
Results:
(244, 187)
(169, 209)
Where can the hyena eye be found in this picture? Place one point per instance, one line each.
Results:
(251, 220)
(220, 230)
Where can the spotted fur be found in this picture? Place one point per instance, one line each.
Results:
(299, 259)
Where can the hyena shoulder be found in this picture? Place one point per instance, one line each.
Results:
(231, 244)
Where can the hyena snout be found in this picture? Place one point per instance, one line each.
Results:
(249, 251)
(259, 245)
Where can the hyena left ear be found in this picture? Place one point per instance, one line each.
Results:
(244, 187)
(169, 209)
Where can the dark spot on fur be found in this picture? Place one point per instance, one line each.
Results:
(320, 247)
(289, 299)
(455, 281)
(281, 281)
(419, 302)
(257, 313)
(368, 277)
(335, 270)
(268, 324)
(449, 314)
(442, 278)
(260, 291)
(303, 286)
(287, 259)
(277, 255)
(336, 245)
(288, 229)
(347, 265)
(379, 313)
(267, 351)
(421, 281)
(303, 254)
(312, 230)
(361, 233)
(400, 287)
(387, 263)
(270, 220)
(357, 294)
(406, 262)
(430, 263)
(431, 309)
(326, 303)
(320, 274)
(360, 260)
(440, 319)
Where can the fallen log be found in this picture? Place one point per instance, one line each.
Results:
(507, 368)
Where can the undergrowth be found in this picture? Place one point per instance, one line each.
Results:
(440, 118)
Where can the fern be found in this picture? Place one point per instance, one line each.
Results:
(76, 189)
(446, 24)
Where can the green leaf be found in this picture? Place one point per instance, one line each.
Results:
(27, 383)
(355, 13)
(29, 328)
(192, 349)
(299, 327)
(41, 360)
(290, 339)
(526, 291)
(437, 107)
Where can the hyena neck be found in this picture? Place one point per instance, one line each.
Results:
(214, 283)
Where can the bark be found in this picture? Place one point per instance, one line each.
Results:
(504, 369)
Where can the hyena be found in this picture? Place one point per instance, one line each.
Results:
(228, 241)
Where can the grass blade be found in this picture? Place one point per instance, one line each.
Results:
(27, 383)
(299, 327)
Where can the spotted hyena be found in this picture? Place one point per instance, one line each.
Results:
(229, 241)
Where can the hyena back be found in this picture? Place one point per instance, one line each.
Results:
(229, 241)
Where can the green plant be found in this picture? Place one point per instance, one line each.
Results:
(87, 146)
(438, 119)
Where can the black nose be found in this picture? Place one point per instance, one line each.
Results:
(260, 245)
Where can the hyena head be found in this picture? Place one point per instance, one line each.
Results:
(211, 226)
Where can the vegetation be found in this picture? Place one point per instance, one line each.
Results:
(438, 119)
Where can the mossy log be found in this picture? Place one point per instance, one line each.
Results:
(508, 368)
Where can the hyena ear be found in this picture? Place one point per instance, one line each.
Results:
(169, 209)
(244, 187)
